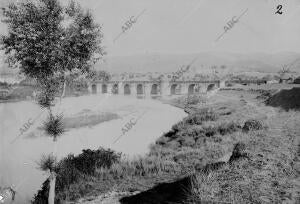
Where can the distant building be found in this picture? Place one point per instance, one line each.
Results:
(4, 93)
(297, 80)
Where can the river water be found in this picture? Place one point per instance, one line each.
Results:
(19, 153)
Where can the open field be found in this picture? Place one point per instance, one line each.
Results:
(232, 148)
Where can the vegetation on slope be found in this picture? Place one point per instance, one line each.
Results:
(231, 151)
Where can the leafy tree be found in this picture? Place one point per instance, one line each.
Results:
(45, 39)
(48, 41)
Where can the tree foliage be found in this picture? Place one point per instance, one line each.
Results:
(45, 38)
(99, 75)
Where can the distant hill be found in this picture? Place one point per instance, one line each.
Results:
(257, 62)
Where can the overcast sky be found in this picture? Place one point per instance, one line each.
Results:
(192, 26)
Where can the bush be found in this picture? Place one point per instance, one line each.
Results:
(194, 99)
(239, 151)
(228, 128)
(89, 160)
(210, 130)
(162, 140)
(178, 126)
(252, 124)
(187, 141)
(201, 116)
(72, 168)
(189, 157)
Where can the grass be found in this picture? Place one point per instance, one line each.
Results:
(226, 146)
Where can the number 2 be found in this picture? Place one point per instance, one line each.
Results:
(279, 7)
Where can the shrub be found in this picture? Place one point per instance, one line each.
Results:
(89, 160)
(189, 157)
(201, 116)
(252, 124)
(186, 141)
(162, 140)
(178, 126)
(194, 99)
(48, 163)
(54, 126)
(228, 128)
(142, 166)
(210, 130)
(73, 168)
(239, 151)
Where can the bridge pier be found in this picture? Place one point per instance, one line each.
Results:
(184, 89)
(163, 88)
(99, 88)
(147, 89)
(120, 88)
(222, 84)
(133, 89)
(90, 88)
(110, 88)
(202, 88)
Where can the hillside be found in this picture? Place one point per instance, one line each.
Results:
(253, 64)
(258, 62)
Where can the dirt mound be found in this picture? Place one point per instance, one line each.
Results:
(286, 99)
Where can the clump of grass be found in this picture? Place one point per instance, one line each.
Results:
(54, 126)
(189, 157)
(48, 163)
(228, 128)
(252, 124)
(186, 135)
(239, 151)
(143, 166)
(194, 100)
(210, 130)
(200, 116)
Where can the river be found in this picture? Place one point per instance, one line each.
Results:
(19, 153)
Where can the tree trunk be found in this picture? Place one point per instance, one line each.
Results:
(51, 196)
(64, 89)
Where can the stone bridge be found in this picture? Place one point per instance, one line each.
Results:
(153, 88)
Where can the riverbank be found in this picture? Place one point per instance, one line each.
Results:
(150, 115)
(229, 142)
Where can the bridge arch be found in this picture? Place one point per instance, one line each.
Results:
(127, 90)
(115, 89)
(94, 89)
(191, 89)
(104, 88)
(211, 87)
(139, 89)
(175, 89)
(154, 89)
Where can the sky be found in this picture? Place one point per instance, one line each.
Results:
(192, 26)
